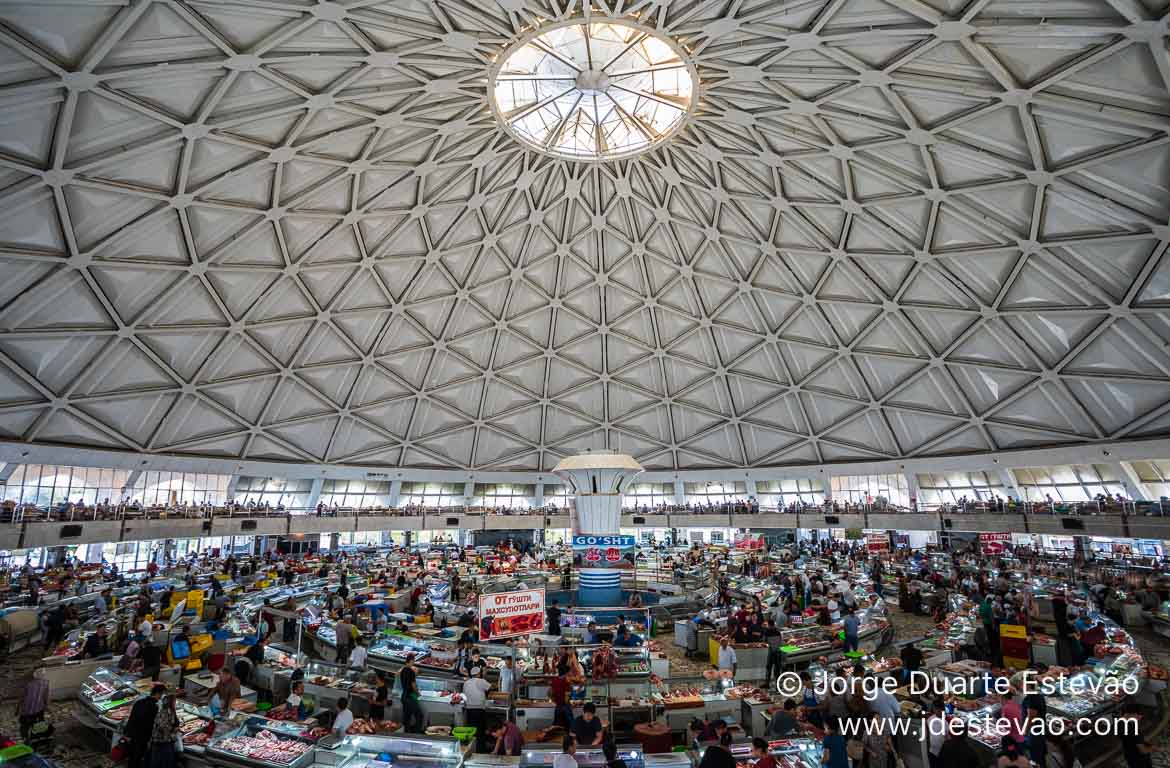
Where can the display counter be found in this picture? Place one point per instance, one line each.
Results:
(390, 651)
(399, 750)
(262, 743)
(325, 683)
(542, 755)
(788, 753)
(105, 699)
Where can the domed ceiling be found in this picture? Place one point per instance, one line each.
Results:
(400, 233)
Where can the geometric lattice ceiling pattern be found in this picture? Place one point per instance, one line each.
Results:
(297, 231)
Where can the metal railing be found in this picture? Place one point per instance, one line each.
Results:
(13, 513)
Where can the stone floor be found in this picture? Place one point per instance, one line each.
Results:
(76, 746)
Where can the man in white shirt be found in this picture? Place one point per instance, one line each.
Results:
(727, 658)
(475, 690)
(344, 718)
(357, 657)
(146, 629)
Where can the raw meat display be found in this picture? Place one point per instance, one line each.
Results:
(265, 746)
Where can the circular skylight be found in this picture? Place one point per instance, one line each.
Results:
(593, 91)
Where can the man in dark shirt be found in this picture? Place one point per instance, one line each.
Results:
(54, 627)
(151, 660)
(719, 755)
(911, 660)
(412, 716)
(587, 728)
(1036, 708)
(783, 721)
(96, 644)
(957, 751)
(1134, 746)
(772, 638)
(554, 619)
(140, 725)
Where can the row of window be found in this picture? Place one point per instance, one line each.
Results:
(52, 485)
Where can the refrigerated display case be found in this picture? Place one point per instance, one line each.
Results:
(325, 683)
(106, 696)
(542, 756)
(399, 751)
(264, 743)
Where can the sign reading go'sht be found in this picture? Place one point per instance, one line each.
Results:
(621, 542)
(507, 614)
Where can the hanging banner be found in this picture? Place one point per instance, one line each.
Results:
(507, 614)
(749, 541)
(877, 542)
(994, 543)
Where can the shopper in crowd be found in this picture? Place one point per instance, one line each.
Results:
(139, 728)
(381, 697)
(412, 716)
(1135, 746)
(566, 758)
(609, 751)
(784, 722)
(343, 718)
(834, 753)
(559, 690)
(1011, 754)
(957, 751)
(763, 757)
(718, 755)
(727, 659)
(164, 733)
(851, 626)
(357, 656)
(509, 740)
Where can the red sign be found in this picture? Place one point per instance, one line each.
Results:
(748, 541)
(994, 543)
(593, 554)
(877, 542)
(613, 554)
(507, 614)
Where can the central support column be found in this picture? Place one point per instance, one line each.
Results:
(599, 553)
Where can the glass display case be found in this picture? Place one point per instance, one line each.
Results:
(804, 643)
(196, 726)
(261, 742)
(401, 751)
(109, 695)
(542, 756)
(389, 651)
(788, 753)
(326, 683)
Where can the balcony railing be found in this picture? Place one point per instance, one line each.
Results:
(13, 513)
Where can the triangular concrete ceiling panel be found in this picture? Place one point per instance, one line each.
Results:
(293, 233)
